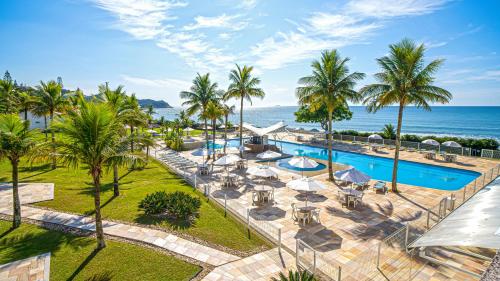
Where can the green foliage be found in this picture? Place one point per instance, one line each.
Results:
(154, 203)
(306, 114)
(16, 139)
(389, 132)
(295, 276)
(173, 140)
(178, 205)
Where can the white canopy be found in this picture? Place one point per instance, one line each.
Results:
(262, 171)
(474, 224)
(431, 142)
(227, 160)
(375, 137)
(303, 162)
(306, 184)
(451, 144)
(264, 131)
(352, 175)
(269, 154)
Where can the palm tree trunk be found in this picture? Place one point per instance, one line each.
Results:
(116, 188)
(97, 202)
(25, 114)
(213, 135)
(241, 126)
(330, 166)
(147, 152)
(396, 153)
(16, 222)
(131, 138)
(225, 133)
(45, 125)
(206, 135)
(53, 134)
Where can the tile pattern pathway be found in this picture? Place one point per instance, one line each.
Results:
(258, 267)
(28, 194)
(31, 269)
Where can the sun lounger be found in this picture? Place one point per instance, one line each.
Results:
(380, 185)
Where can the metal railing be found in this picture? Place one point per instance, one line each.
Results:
(308, 259)
(490, 153)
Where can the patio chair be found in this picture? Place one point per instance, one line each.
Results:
(380, 185)
(359, 199)
(315, 215)
(341, 198)
(294, 212)
(271, 195)
(255, 198)
(303, 217)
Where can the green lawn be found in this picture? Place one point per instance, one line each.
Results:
(73, 257)
(73, 193)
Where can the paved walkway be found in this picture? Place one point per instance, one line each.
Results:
(36, 268)
(29, 194)
(258, 267)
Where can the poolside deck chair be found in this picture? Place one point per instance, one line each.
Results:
(294, 212)
(380, 186)
(315, 215)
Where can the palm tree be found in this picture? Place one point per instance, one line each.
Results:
(244, 87)
(16, 140)
(8, 94)
(226, 111)
(200, 94)
(389, 132)
(404, 80)
(150, 111)
(295, 276)
(213, 112)
(92, 136)
(330, 85)
(26, 101)
(132, 116)
(51, 99)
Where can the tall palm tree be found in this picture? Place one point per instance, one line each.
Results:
(226, 111)
(16, 140)
(213, 112)
(8, 93)
(405, 80)
(26, 101)
(50, 100)
(92, 136)
(243, 87)
(133, 116)
(199, 95)
(150, 111)
(330, 85)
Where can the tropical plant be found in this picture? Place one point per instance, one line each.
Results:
(132, 116)
(305, 114)
(16, 140)
(146, 140)
(213, 112)
(181, 205)
(51, 99)
(243, 87)
(405, 80)
(26, 101)
(200, 94)
(184, 119)
(330, 85)
(91, 136)
(150, 111)
(8, 97)
(226, 111)
(154, 203)
(295, 276)
(389, 132)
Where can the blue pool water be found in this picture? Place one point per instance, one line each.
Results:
(380, 168)
(283, 163)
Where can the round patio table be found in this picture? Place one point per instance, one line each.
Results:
(262, 192)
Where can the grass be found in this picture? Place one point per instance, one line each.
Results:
(74, 193)
(73, 257)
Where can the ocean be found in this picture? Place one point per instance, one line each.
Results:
(461, 121)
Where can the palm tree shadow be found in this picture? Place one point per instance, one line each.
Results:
(103, 276)
(5, 233)
(45, 168)
(87, 260)
(92, 212)
(104, 188)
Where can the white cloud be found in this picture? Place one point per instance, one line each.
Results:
(225, 36)
(222, 21)
(393, 8)
(248, 4)
(141, 19)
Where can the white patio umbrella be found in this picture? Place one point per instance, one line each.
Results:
(431, 142)
(262, 171)
(305, 184)
(227, 160)
(352, 175)
(303, 162)
(375, 137)
(451, 144)
(268, 154)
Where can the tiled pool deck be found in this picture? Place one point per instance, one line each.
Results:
(344, 235)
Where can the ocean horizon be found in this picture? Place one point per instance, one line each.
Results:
(460, 121)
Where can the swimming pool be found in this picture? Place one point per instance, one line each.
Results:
(380, 168)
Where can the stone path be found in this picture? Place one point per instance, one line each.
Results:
(28, 194)
(31, 269)
(258, 267)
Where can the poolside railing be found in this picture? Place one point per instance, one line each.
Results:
(309, 259)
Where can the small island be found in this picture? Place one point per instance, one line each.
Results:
(155, 103)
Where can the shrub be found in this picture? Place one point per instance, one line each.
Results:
(179, 205)
(155, 203)
(182, 205)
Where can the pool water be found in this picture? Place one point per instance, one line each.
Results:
(283, 163)
(380, 168)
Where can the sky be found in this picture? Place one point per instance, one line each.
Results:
(156, 47)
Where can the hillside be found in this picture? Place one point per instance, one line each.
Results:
(154, 103)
